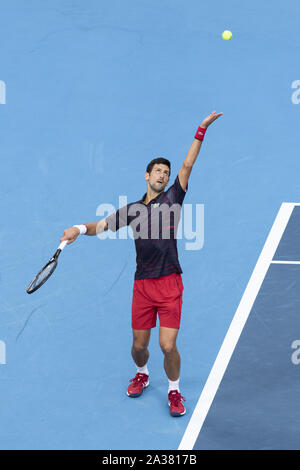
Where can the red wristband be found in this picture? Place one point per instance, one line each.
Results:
(200, 133)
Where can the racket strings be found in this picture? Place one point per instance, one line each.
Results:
(42, 276)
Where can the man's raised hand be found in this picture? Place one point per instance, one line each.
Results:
(209, 119)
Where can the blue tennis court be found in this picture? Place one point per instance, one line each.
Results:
(89, 94)
(251, 402)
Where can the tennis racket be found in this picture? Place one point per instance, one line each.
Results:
(44, 274)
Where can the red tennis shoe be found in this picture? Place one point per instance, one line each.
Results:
(175, 403)
(138, 383)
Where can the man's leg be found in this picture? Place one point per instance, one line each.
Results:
(167, 342)
(140, 355)
(139, 350)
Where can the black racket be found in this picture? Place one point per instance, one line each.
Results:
(46, 271)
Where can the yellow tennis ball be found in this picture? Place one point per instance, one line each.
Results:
(226, 35)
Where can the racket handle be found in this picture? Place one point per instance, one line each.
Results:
(62, 245)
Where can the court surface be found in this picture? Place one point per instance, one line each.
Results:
(93, 92)
(250, 400)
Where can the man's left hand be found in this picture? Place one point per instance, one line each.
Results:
(211, 118)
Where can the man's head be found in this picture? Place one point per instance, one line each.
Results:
(158, 173)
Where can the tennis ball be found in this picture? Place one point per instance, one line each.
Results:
(226, 35)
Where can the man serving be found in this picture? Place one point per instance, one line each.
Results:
(158, 284)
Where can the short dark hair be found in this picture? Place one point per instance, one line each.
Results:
(158, 160)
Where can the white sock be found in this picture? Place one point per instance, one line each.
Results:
(173, 385)
(143, 370)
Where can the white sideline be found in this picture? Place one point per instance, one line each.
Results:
(285, 262)
(236, 327)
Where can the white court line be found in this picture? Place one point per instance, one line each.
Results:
(236, 328)
(285, 262)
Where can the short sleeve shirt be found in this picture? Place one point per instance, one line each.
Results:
(154, 227)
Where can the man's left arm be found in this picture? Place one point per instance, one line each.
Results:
(185, 170)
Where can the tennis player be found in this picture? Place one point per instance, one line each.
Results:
(158, 284)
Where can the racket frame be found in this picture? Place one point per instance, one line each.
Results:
(53, 259)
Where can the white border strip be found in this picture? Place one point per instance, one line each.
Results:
(236, 327)
(285, 262)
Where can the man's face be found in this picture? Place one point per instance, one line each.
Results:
(158, 178)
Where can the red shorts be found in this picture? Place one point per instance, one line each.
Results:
(162, 295)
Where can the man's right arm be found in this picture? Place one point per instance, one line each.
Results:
(93, 228)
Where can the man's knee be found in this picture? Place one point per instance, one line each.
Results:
(139, 347)
(168, 347)
(140, 340)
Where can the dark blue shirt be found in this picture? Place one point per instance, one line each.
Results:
(154, 227)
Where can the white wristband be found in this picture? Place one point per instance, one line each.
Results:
(82, 228)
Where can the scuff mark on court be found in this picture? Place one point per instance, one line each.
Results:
(27, 320)
(116, 280)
